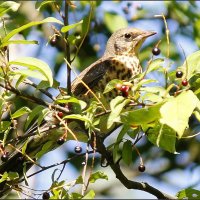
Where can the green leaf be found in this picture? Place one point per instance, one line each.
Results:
(9, 176)
(78, 117)
(25, 146)
(15, 31)
(4, 125)
(142, 116)
(116, 153)
(69, 99)
(19, 42)
(116, 105)
(20, 112)
(112, 84)
(197, 115)
(155, 90)
(40, 4)
(89, 195)
(176, 111)
(28, 73)
(44, 113)
(4, 177)
(34, 64)
(79, 180)
(123, 131)
(151, 97)
(191, 65)
(45, 148)
(188, 193)
(97, 175)
(20, 80)
(65, 29)
(114, 21)
(32, 115)
(7, 6)
(163, 136)
(142, 82)
(127, 152)
(155, 65)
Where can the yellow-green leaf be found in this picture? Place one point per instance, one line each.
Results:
(177, 110)
(64, 29)
(15, 31)
(34, 64)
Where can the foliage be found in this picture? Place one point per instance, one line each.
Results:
(158, 110)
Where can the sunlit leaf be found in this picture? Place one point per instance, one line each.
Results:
(65, 29)
(116, 105)
(78, 117)
(34, 64)
(20, 112)
(40, 4)
(15, 31)
(89, 195)
(163, 136)
(177, 110)
(192, 65)
(19, 42)
(188, 193)
(155, 64)
(7, 6)
(142, 116)
(97, 175)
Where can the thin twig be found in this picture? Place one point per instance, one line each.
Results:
(54, 165)
(84, 170)
(88, 27)
(67, 49)
(41, 90)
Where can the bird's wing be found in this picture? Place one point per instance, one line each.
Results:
(90, 76)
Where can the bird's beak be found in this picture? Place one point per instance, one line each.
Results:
(148, 33)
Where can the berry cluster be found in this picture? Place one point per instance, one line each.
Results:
(123, 88)
(179, 74)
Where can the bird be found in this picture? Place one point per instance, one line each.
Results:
(119, 61)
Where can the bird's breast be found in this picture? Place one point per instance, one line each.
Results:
(124, 67)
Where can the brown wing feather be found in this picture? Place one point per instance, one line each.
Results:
(90, 76)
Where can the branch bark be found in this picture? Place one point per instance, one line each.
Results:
(129, 184)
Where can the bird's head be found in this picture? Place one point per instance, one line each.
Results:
(126, 41)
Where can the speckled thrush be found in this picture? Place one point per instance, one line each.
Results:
(120, 61)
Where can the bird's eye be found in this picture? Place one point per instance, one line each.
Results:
(127, 35)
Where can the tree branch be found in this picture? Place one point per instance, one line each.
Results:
(123, 179)
(67, 49)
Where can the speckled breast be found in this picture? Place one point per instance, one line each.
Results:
(121, 67)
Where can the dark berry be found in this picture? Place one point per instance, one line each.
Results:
(141, 168)
(156, 51)
(60, 141)
(78, 149)
(45, 195)
(179, 74)
(125, 10)
(185, 82)
(53, 40)
(60, 114)
(124, 89)
(4, 157)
